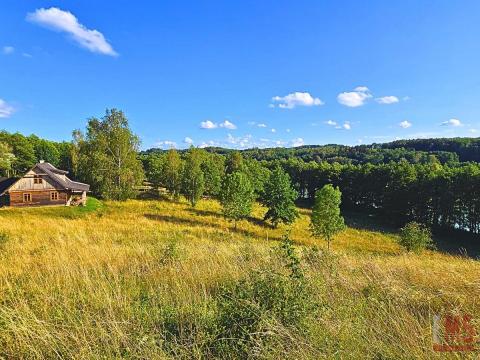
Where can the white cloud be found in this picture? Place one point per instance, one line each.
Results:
(188, 140)
(208, 125)
(292, 100)
(288, 130)
(262, 125)
(6, 110)
(346, 126)
(64, 21)
(228, 125)
(354, 98)
(405, 124)
(331, 123)
(297, 142)
(387, 100)
(27, 55)
(167, 144)
(473, 131)
(273, 130)
(239, 142)
(7, 50)
(452, 122)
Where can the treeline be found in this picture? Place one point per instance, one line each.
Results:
(429, 184)
(441, 196)
(18, 153)
(445, 151)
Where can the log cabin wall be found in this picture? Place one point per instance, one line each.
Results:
(37, 198)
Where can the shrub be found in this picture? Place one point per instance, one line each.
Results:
(415, 237)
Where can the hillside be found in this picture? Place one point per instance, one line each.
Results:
(156, 279)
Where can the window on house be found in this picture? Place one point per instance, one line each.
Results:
(53, 196)
(37, 179)
(27, 197)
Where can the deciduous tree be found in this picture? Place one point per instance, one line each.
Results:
(326, 219)
(236, 196)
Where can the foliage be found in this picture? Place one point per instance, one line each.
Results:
(415, 237)
(193, 179)
(6, 158)
(108, 157)
(172, 172)
(234, 162)
(326, 218)
(279, 197)
(213, 167)
(236, 196)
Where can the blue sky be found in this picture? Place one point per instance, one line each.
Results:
(243, 73)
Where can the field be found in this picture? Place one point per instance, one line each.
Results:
(157, 279)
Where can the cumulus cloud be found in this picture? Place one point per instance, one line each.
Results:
(167, 144)
(297, 142)
(228, 125)
(346, 126)
(405, 124)
(452, 122)
(64, 21)
(262, 125)
(7, 50)
(273, 130)
(387, 100)
(6, 110)
(331, 123)
(354, 98)
(295, 99)
(188, 140)
(208, 125)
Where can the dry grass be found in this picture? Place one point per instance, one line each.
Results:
(102, 284)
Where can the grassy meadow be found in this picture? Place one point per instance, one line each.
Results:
(149, 279)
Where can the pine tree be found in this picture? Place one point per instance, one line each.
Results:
(326, 218)
(279, 196)
(236, 196)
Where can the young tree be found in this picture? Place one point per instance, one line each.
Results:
(415, 237)
(326, 219)
(108, 157)
(193, 183)
(236, 196)
(173, 173)
(279, 196)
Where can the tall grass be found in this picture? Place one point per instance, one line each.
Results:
(156, 279)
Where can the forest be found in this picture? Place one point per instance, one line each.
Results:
(431, 181)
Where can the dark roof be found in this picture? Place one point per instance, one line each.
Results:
(66, 183)
(5, 183)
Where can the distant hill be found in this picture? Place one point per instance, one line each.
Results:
(445, 150)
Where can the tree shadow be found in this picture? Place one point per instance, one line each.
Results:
(456, 242)
(192, 222)
(250, 219)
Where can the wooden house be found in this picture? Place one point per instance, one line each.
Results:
(44, 184)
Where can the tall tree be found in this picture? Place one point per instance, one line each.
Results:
(108, 157)
(6, 158)
(326, 218)
(236, 196)
(213, 168)
(279, 196)
(173, 173)
(234, 162)
(193, 179)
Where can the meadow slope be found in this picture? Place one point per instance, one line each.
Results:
(147, 279)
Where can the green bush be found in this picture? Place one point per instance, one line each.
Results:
(415, 237)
